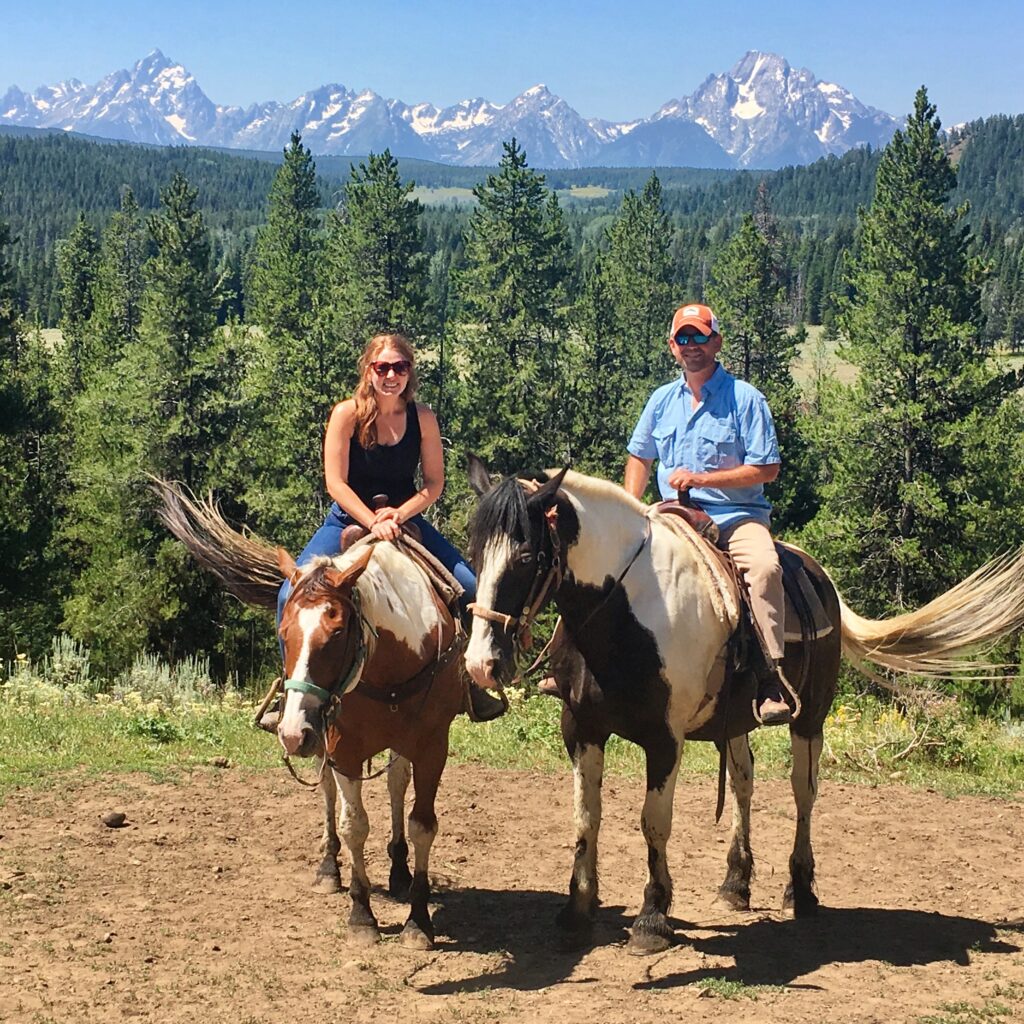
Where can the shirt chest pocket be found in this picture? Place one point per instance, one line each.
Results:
(664, 436)
(719, 445)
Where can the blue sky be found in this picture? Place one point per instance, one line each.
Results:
(617, 60)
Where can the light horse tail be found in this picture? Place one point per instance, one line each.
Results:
(244, 565)
(936, 641)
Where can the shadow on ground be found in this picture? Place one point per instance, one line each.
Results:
(520, 925)
(769, 952)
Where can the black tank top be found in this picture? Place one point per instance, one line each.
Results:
(387, 468)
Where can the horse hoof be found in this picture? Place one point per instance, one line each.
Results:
(363, 935)
(327, 885)
(398, 886)
(731, 901)
(646, 943)
(413, 937)
(799, 907)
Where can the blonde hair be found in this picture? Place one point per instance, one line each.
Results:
(366, 397)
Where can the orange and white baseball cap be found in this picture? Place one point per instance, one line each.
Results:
(696, 316)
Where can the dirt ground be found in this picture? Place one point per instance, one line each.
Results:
(200, 908)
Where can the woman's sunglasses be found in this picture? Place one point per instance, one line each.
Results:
(691, 339)
(400, 366)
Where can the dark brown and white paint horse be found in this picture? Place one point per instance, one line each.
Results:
(651, 621)
(372, 664)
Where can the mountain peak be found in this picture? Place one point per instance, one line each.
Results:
(756, 63)
(760, 113)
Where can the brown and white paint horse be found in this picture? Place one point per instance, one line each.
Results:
(650, 624)
(373, 663)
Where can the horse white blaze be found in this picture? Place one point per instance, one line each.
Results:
(298, 706)
(482, 652)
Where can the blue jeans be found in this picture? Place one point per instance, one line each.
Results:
(327, 541)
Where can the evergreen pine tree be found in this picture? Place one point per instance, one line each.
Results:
(622, 318)
(901, 444)
(77, 259)
(29, 467)
(376, 265)
(286, 260)
(168, 406)
(509, 329)
(117, 310)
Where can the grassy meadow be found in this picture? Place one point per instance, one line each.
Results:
(167, 723)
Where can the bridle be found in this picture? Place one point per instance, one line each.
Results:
(331, 698)
(420, 683)
(543, 583)
(546, 579)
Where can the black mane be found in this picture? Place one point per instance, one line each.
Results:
(501, 511)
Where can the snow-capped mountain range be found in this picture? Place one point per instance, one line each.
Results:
(762, 113)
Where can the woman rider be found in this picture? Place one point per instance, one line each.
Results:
(375, 442)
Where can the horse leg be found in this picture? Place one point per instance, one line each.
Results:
(799, 899)
(399, 879)
(734, 892)
(651, 932)
(355, 827)
(328, 877)
(418, 932)
(576, 918)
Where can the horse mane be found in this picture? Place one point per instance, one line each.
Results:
(502, 510)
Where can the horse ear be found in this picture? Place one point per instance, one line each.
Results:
(545, 495)
(347, 577)
(479, 476)
(285, 562)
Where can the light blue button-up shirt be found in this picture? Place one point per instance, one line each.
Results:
(732, 426)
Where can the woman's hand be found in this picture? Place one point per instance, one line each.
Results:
(386, 529)
(384, 514)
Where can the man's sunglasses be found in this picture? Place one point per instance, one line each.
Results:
(692, 339)
(400, 366)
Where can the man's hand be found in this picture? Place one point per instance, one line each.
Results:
(385, 514)
(683, 479)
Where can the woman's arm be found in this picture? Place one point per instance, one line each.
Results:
(431, 463)
(340, 428)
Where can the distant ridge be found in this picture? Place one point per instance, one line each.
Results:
(762, 113)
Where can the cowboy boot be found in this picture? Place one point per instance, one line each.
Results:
(484, 706)
(772, 707)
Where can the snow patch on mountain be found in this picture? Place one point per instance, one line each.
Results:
(760, 113)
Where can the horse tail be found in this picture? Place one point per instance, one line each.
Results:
(245, 565)
(943, 639)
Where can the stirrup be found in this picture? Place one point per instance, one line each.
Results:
(777, 716)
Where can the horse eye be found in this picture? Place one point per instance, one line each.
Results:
(525, 554)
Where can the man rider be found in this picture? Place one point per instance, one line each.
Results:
(714, 437)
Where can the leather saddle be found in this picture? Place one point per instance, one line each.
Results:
(445, 584)
(805, 615)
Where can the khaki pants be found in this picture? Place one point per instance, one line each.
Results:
(751, 546)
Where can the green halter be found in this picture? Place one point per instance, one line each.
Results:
(358, 662)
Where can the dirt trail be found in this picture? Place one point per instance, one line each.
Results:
(200, 910)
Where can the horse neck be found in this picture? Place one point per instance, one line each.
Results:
(396, 598)
(611, 528)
